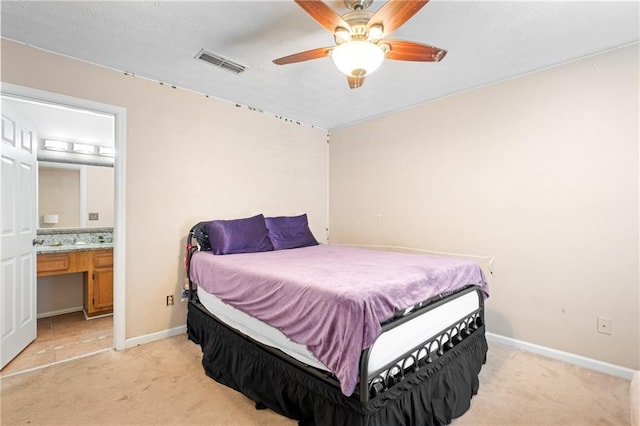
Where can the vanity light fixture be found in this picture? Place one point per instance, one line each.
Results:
(83, 148)
(106, 151)
(56, 145)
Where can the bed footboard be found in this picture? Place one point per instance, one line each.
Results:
(377, 377)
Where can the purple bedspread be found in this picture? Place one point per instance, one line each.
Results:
(331, 299)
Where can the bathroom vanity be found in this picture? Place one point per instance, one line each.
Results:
(88, 253)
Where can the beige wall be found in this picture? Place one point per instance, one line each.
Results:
(189, 158)
(59, 193)
(540, 172)
(59, 293)
(100, 195)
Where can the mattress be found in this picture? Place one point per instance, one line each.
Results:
(257, 329)
(398, 340)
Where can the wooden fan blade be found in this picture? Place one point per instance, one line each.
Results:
(323, 14)
(394, 13)
(401, 50)
(320, 52)
(355, 82)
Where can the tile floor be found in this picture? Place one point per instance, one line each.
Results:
(62, 337)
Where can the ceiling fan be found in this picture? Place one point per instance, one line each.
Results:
(359, 36)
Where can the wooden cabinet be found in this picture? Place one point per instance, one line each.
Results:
(97, 270)
(98, 285)
(100, 292)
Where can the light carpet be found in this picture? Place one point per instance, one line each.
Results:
(163, 383)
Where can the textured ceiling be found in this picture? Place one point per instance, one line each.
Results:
(486, 42)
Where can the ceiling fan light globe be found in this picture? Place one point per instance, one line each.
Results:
(355, 57)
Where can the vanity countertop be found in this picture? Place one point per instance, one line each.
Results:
(72, 247)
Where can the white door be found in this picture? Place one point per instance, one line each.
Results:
(18, 219)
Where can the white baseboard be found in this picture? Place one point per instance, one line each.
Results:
(159, 335)
(88, 318)
(579, 360)
(58, 312)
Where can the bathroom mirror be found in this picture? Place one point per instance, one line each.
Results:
(75, 196)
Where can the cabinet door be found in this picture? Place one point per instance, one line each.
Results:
(102, 290)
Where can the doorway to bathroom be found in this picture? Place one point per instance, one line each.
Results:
(62, 328)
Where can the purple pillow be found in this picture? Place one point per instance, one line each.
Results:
(288, 232)
(248, 235)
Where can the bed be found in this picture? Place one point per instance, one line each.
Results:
(270, 327)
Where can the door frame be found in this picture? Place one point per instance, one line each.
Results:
(119, 226)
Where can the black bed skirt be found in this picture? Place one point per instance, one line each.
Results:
(434, 395)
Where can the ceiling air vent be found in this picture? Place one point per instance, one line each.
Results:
(220, 61)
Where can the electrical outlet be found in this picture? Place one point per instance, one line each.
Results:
(604, 325)
(170, 300)
(94, 216)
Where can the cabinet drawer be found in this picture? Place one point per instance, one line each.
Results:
(103, 258)
(53, 262)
